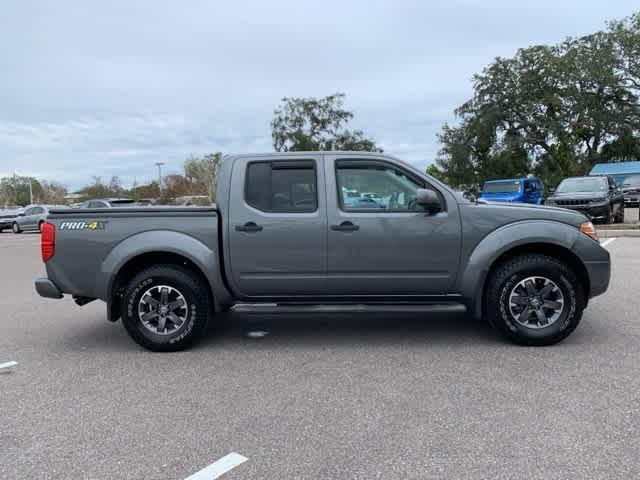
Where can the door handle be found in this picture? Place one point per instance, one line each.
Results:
(345, 227)
(249, 227)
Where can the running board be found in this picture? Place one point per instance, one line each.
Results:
(349, 308)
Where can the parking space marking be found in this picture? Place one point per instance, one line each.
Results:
(607, 242)
(219, 468)
(8, 364)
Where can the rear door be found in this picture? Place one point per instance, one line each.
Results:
(277, 226)
(383, 242)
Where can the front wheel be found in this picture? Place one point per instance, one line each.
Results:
(166, 308)
(534, 300)
(620, 215)
(16, 228)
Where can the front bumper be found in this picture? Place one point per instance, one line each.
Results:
(46, 288)
(595, 212)
(597, 262)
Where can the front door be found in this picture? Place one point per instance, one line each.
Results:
(277, 226)
(29, 219)
(381, 242)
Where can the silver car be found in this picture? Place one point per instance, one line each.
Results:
(33, 217)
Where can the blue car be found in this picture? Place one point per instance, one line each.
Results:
(523, 190)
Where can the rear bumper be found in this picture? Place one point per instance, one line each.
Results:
(46, 288)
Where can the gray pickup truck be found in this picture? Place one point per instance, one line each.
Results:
(324, 232)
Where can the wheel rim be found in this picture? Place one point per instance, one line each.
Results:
(15, 228)
(536, 302)
(162, 309)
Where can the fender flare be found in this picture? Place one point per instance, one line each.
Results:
(501, 241)
(201, 255)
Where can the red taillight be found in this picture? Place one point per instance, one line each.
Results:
(48, 241)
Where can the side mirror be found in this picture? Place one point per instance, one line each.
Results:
(428, 199)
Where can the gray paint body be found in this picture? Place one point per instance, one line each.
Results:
(394, 256)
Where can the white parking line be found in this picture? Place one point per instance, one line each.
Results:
(8, 364)
(216, 469)
(606, 242)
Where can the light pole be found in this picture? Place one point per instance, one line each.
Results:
(159, 165)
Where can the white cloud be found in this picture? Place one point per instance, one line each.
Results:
(109, 88)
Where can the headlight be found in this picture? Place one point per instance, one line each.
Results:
(598, 200)
(588, 229)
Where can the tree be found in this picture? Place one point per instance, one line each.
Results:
(202, 173)
(53, 193)
(305, 124)
(554, 110)
(15, 190)
(99, 190)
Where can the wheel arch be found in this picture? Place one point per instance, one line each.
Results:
(556, 240)
(157, 248)
(141, 262)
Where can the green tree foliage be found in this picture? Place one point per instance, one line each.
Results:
(99, 189)
(305, 124)
(551, 110)
(14, 190)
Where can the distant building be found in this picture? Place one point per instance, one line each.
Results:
(618, 170)
(72, 197)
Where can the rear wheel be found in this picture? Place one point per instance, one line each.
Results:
(16, 228)
(534, 300)
(608, 219)
(165, 308)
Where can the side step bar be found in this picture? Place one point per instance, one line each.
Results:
(349, 308)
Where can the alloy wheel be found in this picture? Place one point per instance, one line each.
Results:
(162, 309)
(536, 302)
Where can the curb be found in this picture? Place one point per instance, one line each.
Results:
(617, 233)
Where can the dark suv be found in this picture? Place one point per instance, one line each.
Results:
(631, 190)
(597, 196)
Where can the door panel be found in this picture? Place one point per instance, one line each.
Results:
(397, 247)
(277, 227)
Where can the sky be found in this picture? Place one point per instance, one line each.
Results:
(91, 88)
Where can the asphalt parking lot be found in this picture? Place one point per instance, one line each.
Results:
(332, 397)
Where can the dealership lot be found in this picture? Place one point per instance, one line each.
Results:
(348, 396)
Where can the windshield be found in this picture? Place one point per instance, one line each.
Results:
(586, 184)
(508, 186)
(632, 180)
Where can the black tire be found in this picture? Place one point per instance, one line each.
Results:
(620, 215)
(503, 282)
(608, 220)
(16, 228)
(40, 226)
(196, 310)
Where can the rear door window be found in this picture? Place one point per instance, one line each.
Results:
(282, 186)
